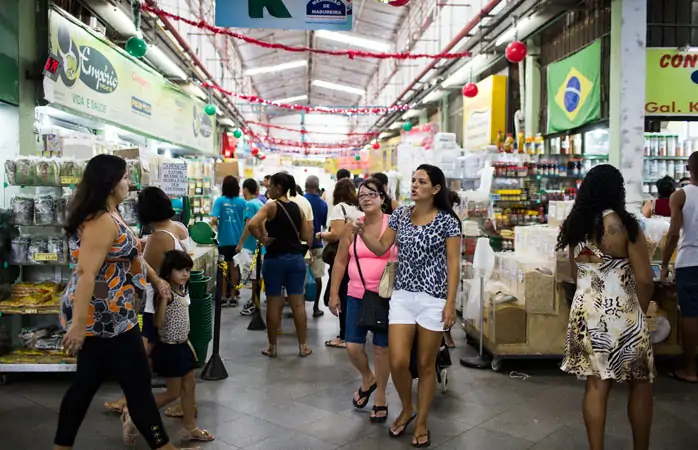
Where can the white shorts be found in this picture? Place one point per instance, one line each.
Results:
(409, 308)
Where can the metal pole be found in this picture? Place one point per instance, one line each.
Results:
(215, 368)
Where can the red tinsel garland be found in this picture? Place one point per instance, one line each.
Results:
(268, 140)
(202, 24)
(304, 131)
(308, 109)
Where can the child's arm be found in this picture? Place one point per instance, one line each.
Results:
(160, 311)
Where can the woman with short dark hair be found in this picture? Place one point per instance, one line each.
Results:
(100, 304)
(660, 206)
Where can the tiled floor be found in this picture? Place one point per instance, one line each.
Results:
(297, 403)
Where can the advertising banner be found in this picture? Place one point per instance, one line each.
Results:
(672, 82)
(574, 89)
(285, 14)
(485, 114)
(99, 80)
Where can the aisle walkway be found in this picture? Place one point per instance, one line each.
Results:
(305, 404)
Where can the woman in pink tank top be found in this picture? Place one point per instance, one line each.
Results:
(371, 196)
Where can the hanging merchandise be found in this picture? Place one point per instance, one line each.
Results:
(470, 90)
(375, 110)
(516, 52)
(351, 54)
(135, 45)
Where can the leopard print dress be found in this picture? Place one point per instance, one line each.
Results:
(607, 335)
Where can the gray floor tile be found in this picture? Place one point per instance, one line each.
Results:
(340, 429)
(247, 430)
(291, 414)
(484, 439)
(292, 441)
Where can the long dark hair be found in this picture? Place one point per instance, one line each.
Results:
(175, 260)
(441, 199)
(286, 182)
(603, 189)
(102, 174)
(230, 187)
(387, 206)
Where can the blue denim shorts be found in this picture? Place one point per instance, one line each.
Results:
(357, 334)
(287, 270)
(687, 290)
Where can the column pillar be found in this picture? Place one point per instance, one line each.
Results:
(445, 115)
(27, 12)
(532, 95)
(627, 94)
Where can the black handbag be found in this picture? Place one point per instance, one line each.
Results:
(374, 308)
(329, 253)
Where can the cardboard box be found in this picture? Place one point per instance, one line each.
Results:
(146, 176)
(225, 168)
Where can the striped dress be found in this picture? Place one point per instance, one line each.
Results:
(607, 335)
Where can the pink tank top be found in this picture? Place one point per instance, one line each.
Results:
(372, 266)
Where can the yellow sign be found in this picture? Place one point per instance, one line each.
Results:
(331, 166)
(45, 257)
(248, 172)
(672, 83)
(69, 180)
(485, 114)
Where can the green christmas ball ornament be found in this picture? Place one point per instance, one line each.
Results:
(237, 134)
(210, 110)
(136, 47)
(358, 157)
(407, 126)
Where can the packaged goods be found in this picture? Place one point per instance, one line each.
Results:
(44, 210)
(23, 210)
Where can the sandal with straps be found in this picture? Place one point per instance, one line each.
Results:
(197, 434)
(379, 419)
(129, 433)
(116, 407)
(177, 413)
(362, 401)
(417, 444)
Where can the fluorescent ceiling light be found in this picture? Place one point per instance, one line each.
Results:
(156, 56)
(434, 96)
(411, 113)
(297, 98)
(277, 67)
(115, 18)
(194, 90)
(395, 126)
(509, 34)
(226, 122)
(353, 39)
(338, 87)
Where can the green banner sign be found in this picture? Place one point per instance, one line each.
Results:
(100, 80)
(574, 89)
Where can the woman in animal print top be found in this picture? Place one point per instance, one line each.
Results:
(424, 299)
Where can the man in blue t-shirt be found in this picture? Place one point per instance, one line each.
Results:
(250, 190)
(317, 265)
(228, 215)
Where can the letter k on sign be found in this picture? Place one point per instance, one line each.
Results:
(275, 7)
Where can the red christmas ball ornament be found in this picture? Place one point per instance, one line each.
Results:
(254, 151)
(376, 146)
(398, 2)
(470, 90)
(263, 157)
(516, 51)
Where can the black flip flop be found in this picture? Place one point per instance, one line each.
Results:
(423, 444)
(404, 427)
(379, 419)
(675, 376)
(364, 395)
(335, 345)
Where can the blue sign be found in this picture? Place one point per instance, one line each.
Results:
(285, 14)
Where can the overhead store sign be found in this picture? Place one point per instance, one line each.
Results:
(672, 83)
(285, 14)
(574, 89)
(485, 114)
(98, 80)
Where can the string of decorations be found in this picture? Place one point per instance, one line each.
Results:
(351, 54)
(309, 109)
(304, 131)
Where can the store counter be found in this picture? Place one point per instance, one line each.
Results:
(205, 258)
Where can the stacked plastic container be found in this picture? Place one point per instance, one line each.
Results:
(200, 315)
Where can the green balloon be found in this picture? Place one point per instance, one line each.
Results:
(237, 134)
(407, 126)
(136, 47)
(210, 109)
(358, 157)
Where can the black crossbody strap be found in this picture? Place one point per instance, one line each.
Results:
(358, 265)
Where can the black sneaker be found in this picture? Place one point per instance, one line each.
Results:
(248, 310)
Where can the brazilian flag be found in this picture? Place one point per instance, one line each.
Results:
(574, 87)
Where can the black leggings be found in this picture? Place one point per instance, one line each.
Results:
(122, 357)
(343, 289)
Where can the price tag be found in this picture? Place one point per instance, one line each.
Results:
(70, 180)
(30, 311)
(45, 257)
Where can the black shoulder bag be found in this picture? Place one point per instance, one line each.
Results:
(374, 308)
(330, 251)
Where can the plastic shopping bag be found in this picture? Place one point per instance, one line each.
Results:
(310, 287)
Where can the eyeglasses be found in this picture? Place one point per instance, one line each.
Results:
(370, 195)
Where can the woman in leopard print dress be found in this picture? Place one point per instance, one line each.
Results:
(607, 337)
